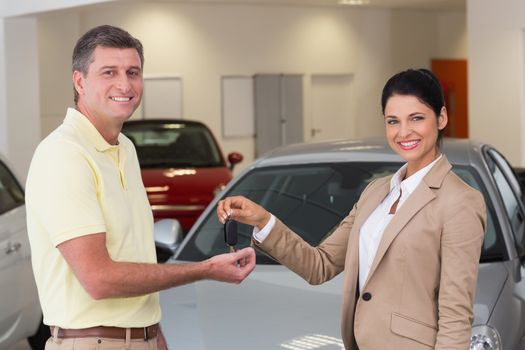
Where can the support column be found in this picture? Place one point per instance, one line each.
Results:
(20, 129)
(3, 91)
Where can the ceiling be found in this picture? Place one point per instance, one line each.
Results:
(442, 5)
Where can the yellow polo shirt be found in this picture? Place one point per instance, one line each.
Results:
(78, 184)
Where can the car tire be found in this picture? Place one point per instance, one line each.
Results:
(38, 340)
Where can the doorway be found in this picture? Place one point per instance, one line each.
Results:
(331, 107)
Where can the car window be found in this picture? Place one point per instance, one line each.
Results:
(520, 176)
(311, 200)
(493, 246)
(11, 193)
(173, 145)
(509, 190)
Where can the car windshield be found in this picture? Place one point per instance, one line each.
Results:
(161, 145)
(312, 200)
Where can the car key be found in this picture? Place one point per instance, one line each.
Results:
(230, 234)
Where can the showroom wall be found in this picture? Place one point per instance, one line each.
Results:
(20, 108)
(3, 91)
(496, 74)
(202, 42)
(57, 36)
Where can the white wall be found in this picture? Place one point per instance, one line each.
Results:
(57, 34)
(11, 8)
(452, 36)
(496, 74)
(202, 42)
(418, 36)
(414, 38)
(22, 104)
(3, 90)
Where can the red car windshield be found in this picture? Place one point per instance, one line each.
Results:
(175, 144)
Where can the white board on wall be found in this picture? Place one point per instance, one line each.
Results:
(237, 106)
(162, 98)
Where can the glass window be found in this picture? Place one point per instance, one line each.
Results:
(509, 189)
(11, 194)
(173, 145)
(311, 200)
(493, 245)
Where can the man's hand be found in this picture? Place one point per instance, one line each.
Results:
(232, 267)
(243, 210)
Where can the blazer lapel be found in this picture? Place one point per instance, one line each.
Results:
(417, 200)
(366, 205)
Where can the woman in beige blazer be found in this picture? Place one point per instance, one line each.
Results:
(409, 248)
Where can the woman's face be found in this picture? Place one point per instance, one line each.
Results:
(412, 130)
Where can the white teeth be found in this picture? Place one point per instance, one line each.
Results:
(408, 144)
(120, 99)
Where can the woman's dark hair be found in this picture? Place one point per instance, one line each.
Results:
(420, 83)
(106, 36)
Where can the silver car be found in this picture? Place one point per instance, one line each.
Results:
(20, 313)
(311, 188)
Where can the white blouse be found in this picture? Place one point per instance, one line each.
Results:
(372, 230)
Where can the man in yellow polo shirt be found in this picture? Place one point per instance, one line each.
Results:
(89, 221)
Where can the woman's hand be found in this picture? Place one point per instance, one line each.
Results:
(243, 210)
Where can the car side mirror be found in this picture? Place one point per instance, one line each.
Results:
(168, 236)
(234, 158)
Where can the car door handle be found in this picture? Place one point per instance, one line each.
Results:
(13, 247)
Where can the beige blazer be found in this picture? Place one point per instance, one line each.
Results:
(420, 289)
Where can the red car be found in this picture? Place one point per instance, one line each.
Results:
(182, 166)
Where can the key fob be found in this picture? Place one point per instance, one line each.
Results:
(230, 232)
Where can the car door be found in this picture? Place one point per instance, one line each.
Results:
(510, 192)
(509, 314)
(15, 268)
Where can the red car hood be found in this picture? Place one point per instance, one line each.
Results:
(184, 185)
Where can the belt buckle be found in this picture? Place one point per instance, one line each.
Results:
(146, 334)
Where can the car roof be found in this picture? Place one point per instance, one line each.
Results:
(458, 151)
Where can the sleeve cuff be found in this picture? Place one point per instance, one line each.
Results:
(260, 235)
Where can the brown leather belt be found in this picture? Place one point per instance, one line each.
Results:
(108, 332)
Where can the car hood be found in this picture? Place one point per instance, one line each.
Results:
(184, 181)
(208, 315)
(491, 278)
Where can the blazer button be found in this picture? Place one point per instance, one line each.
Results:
(367, 296)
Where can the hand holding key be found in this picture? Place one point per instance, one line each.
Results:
(243, 210)
(235, 266)
(231, 234)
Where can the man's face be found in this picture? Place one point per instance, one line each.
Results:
(112, 88)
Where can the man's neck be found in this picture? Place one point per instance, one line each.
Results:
(109, 131)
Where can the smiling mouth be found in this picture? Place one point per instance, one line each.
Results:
(120, 99)
(408, 145)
